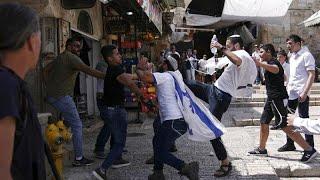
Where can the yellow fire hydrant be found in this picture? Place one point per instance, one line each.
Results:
(56, 133)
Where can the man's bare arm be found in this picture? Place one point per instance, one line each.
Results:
(269, 67)
(145, 76)
(307, 86)
(232, 57)
(127, 81)
(92, 72)
(7, 131)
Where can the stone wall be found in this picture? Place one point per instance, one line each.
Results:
(54, 9)
(299, 11)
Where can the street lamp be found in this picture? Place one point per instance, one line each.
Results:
(105, 1)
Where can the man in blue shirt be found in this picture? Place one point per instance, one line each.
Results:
(21, 142)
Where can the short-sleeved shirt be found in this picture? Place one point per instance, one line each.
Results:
(113, 89)
(275, 82)
(300, 63)
(28, 155)
(101, 66)
(62, 77)
(168, 104)
(202, 64)
(286, 68)
(188, 64)
(234, 77)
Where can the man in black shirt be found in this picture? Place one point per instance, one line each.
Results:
(277, 99)
(21, 142)
(115, 81)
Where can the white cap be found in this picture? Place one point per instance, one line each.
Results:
(173, 62)
(235, 36)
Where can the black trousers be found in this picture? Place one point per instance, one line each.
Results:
(219, 102)
(303, 110)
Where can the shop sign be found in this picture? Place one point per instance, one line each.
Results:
(116, 25)
(151, 8)
(131, 44)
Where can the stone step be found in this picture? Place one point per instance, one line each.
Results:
(315, 86)
(261, 104)
(262, 98)
(253, 121)
(263, 91)
(249, 116)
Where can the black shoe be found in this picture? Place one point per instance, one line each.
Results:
(223, 171)
(274, 127)
(99, 174)
(173, 148)
(156, 175)
(100, 154)
(120, 163)
(150, 160)
(309, 155)
(287, 147)
(83, 162)
(191, 170)
(258, 152)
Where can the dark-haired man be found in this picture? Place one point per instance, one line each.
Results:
(171, 124)
(276, 105)
(60, 78)
(234, 81)
(105, 133)
(21, 142)
(114, 112)
(302, 73)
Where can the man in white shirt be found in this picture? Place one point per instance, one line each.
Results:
(256, 56)
(234, 81)
(172, 123)
(282, 58)
(203, 63)
(173, 50)
(302, 73)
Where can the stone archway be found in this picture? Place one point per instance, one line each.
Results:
(84, 22)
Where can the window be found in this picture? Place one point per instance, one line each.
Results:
(77, 4)
(84, 22)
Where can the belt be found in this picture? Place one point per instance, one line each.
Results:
(242, 87)
(100, 95)
(115, 106)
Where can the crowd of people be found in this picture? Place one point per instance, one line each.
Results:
(22, 145)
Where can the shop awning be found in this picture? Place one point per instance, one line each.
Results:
(226, 12)
(175, 3)
(312, 20)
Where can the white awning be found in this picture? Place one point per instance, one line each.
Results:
(259, 11)
(312, 20)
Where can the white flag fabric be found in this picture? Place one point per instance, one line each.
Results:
(202, 125)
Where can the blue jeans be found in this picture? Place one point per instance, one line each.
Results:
(303, 110)
(165, 136)
(219, 102)
(104, 134)
(116, 120)
(66, 106)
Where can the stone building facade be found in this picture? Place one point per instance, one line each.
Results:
(57, 25)
(299, 11)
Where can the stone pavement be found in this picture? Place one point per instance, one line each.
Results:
(238, 140)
